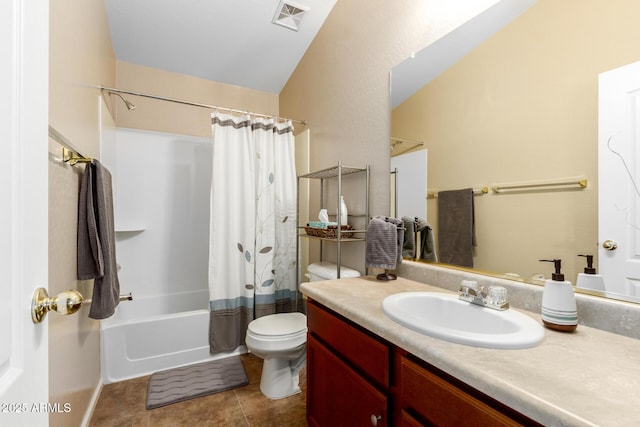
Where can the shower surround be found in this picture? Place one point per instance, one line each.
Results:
(161, 190)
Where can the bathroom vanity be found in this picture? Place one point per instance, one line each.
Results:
(354, 376)
(365, 369)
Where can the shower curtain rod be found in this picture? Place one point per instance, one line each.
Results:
(195, 104)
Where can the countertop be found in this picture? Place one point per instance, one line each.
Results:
(586, 378)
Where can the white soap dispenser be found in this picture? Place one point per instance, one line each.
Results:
(343, 211)
(589, 279)
(559, 311)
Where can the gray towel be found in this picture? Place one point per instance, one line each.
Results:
(384, 243)
(409, 245)
(414, 226)
(96, 240)
(427, 244)
(456, 228)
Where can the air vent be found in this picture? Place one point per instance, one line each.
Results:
(289, 14)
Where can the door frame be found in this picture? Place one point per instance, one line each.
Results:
(24, 89)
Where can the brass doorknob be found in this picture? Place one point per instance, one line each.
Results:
(610, 245)
(67, 302)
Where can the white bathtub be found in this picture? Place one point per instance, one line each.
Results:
(155, 333)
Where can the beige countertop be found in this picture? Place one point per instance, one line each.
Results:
(587, 378)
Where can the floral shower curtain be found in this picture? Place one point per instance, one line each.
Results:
(252, 246)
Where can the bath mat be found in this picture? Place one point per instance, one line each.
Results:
(201, 379)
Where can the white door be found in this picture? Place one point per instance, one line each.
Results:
(302, 167)
(24, 386)
(619, 179)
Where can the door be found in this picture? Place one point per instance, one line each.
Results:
(619, 180)
(302, 167)
(23, 210)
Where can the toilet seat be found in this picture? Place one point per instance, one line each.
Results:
(278, 326)
(280, 332)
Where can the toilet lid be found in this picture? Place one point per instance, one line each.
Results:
(279, 324)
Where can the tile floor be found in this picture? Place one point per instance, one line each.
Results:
(123, 404)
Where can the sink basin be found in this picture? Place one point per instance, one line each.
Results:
(444, 316)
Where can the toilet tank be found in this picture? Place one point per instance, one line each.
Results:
(328, 270)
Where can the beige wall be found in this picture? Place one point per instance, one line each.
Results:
(341, 87)
(523, 106)
(161, 116)
(80, 57)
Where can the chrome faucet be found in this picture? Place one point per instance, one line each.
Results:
(496, 298)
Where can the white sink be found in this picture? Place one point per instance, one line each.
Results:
(444, 316)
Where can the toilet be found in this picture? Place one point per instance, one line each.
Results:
(281, 341)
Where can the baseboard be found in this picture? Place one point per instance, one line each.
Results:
(92, 404)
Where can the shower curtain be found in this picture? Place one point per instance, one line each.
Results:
(252, 247)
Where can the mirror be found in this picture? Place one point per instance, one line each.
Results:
(518, 104)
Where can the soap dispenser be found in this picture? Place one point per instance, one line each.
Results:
(344, 213)
(589, 279)
(559, 311)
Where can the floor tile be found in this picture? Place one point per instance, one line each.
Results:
(123, 404)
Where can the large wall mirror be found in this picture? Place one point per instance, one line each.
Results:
(512, 97)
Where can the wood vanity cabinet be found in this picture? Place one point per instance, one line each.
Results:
(347, 373)
(355, 378)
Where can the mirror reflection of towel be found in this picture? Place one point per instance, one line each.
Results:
(456, 227)
(409, 246)
(427, 244)
(414, 227)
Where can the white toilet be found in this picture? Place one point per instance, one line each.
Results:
(280, 339)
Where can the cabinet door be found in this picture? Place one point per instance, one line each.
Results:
(442, 403)
(336, 395)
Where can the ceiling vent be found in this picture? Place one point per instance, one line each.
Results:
(289, 14)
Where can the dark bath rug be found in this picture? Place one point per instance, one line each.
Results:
(201, 379)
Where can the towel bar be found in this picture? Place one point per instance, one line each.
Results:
(71, 157)
(579, 183)
(66, 302)
(433, 194)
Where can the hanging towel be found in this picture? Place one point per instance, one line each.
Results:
(409, 245)
(456, 228)
(427, 244)
(384, 243)
(96, 240)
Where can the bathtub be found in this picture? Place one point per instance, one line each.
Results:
(154, 333)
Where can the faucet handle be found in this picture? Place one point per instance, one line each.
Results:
(497, 297)
(467, 285)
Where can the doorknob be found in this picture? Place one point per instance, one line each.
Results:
(67, 302)
(610, 245)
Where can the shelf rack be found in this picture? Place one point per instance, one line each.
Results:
(335, 172)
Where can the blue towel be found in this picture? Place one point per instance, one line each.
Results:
(319, 224)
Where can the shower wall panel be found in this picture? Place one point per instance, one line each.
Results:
(161, 201)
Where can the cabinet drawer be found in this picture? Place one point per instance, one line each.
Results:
(365, 353)
(442, 403)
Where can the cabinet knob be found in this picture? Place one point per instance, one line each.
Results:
(375, 419)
